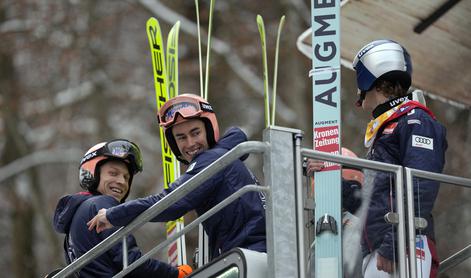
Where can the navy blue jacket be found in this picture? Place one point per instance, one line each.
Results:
(71, 217)
(415, 140)
(240, 224)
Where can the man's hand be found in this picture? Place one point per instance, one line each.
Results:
(313, 166)
(384, 264)
(99, 221)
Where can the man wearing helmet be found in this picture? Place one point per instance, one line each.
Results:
(352, 180)
(402, 132)
(192, 132)
(106, 173)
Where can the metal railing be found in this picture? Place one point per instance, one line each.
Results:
(457, 181)
(374, 165)
(282, 167)
(403, 237)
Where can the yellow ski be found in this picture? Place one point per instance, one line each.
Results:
(169, 163)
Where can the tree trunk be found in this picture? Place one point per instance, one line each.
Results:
(23, 260)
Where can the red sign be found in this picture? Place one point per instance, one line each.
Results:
(326, 139)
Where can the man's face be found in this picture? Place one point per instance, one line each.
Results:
(114, 179)
(190, 137)
(370, 102)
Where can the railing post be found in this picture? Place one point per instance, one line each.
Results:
(279, 172)
(410, 222)
(299, 204)
(125, 252)
(401, 226)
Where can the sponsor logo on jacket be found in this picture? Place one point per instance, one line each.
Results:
(422, 142)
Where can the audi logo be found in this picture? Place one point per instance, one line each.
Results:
(423, 140)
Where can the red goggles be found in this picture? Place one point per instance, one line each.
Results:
(188, 108)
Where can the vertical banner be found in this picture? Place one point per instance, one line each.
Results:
(325, 16)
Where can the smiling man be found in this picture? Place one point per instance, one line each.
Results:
(192, 132)
(190, 137)
(106, 172)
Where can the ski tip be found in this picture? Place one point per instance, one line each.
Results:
(175, 29)
(151, 20)
(259, 19)
(282, 20)
(280, 26)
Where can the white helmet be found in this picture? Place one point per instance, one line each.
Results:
(385, 59)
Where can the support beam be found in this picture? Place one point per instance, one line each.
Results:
(424, 24)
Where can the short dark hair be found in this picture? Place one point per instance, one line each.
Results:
(390, 89)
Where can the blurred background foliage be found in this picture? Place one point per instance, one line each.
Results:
(74, 73)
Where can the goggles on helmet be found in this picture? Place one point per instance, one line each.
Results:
(118, 148)
(187, 108)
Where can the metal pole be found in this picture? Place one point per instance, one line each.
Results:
(299, 204)
(411, 222)
(455, 259)
(125, 252)
(279, 172)
(401, 230)
(464, 182)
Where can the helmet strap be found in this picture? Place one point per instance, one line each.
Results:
(361, 99)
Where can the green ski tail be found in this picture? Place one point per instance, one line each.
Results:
(275, 71)
(199, 48)
(203, 245)
(269, 116)
(208, 49)
(261, 30)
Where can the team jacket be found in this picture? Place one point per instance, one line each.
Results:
(413, 139)
(240, 224)
(71, 217)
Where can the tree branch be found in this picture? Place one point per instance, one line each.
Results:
(61, 99)
(222, 48)
(40, 157)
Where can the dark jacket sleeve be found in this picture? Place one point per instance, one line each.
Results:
(422, 145)
(150, 268)
(123, 214)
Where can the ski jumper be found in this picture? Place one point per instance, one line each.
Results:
(406, 135)
(240, 224)
(71, 217)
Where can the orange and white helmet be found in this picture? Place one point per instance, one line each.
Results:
(118, 149)
(351, 173)
(183, 108)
